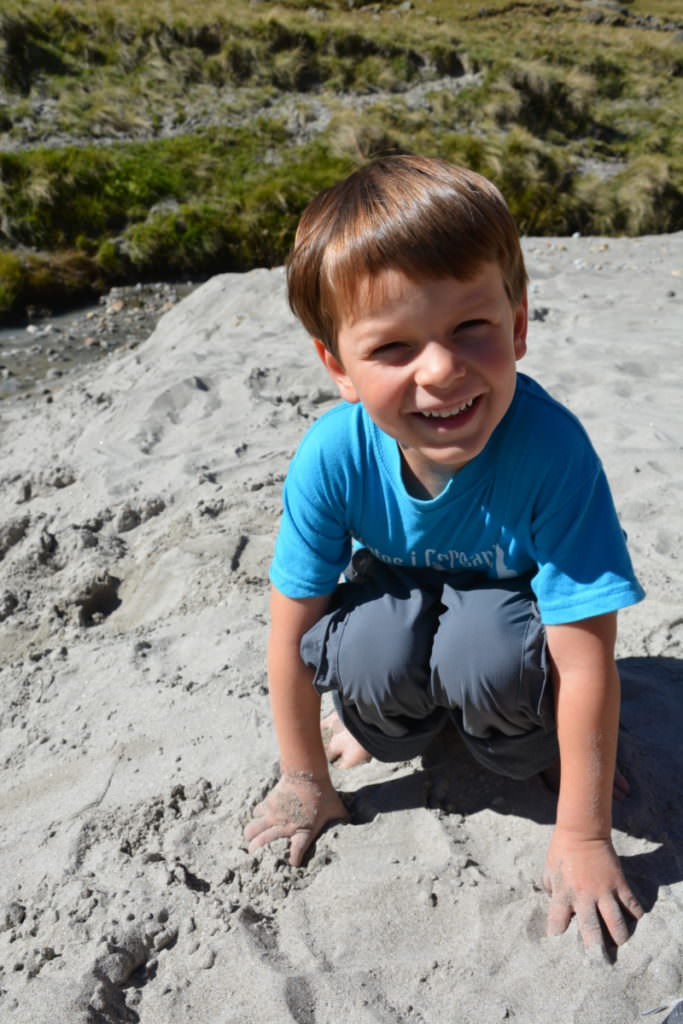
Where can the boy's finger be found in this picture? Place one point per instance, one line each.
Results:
(614, 920)
(559, 916)
(297, 848)
(254, 827)
(629, 901)
(269, 835)
(259, 811)
(590, 928)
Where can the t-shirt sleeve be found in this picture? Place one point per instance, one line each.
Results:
(313, 545)
(584, 568)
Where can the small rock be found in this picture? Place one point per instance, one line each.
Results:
(24, 492)
(208, 960)
(164, 939)
(153, 507)
(14, 915)
(128, 518)
(8, 603)
(59, 477)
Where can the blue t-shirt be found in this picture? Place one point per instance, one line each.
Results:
(534, 501)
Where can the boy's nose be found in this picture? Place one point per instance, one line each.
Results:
(439, 365)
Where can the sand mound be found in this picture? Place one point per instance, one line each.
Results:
(137, 516)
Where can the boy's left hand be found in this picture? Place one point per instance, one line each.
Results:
(297, 809)
(583, 877)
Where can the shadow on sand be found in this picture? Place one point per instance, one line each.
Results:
(650, 755)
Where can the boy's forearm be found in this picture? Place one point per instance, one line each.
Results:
(588, 722)
(587, 711)
(296, 717)
(582, 874)
(295, 704)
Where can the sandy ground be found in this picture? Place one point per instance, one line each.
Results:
(137, 514)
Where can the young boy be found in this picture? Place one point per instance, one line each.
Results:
(488, 561)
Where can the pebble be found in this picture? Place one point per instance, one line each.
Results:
(208, 960)
(14, 915)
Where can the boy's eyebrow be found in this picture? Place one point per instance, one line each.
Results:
(374, 329)
(463, 308)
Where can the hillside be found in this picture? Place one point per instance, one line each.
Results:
(171, 141)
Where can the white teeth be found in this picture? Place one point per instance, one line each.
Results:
(450, 412)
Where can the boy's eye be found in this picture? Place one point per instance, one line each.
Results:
(390, 349)
(469, 325)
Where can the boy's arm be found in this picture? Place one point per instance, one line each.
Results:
(304, 800)
(583, 874)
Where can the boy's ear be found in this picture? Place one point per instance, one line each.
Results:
(521, 324)
(336, 372)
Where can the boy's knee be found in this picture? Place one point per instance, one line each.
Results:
(489, 660)
(382, 661)
(374, 649)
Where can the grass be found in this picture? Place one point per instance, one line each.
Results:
(173, 139)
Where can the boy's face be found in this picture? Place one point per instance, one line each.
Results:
(433, 362)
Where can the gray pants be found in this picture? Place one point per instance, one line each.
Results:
(405, 650)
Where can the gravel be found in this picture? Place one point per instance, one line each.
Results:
(34, 356)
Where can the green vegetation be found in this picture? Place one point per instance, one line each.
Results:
(171, 140)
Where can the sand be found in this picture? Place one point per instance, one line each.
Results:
(137, 515)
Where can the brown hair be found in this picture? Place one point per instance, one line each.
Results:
(422, 216)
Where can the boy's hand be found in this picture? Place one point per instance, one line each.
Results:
(583, 877)
(297, 808)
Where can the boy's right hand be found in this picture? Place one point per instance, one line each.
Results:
(297, 808)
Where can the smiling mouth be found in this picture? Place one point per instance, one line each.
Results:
(449, 414)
